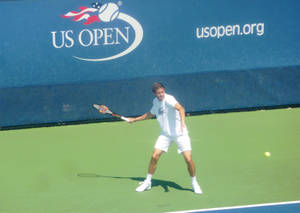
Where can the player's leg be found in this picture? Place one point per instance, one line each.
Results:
(192, 170)
(190, 163)
(162, 144)
(146, 184)
(154, 159)
(184, 148)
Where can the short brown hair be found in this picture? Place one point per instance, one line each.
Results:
(157, 86)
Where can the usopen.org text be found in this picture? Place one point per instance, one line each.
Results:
(257, 29)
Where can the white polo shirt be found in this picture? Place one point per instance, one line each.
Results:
(167, 116)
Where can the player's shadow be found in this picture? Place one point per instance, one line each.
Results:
(155, 182)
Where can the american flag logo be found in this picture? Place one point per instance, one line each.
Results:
(88, 14)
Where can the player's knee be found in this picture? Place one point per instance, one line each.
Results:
(155, 156)
(189, 160)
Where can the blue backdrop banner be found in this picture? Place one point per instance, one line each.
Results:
(59, 57)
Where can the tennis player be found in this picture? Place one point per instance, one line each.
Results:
(171, 118)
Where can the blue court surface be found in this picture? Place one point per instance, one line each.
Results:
(283, 207)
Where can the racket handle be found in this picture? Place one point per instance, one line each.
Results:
(125, 119)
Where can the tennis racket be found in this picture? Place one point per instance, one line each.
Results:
(105, 110)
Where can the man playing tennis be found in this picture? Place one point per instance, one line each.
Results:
(171, 118)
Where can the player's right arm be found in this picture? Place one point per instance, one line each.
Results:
(142, 117)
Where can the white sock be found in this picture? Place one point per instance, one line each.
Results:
(149, 178)
(194, 179)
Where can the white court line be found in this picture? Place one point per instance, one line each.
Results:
(239, 207)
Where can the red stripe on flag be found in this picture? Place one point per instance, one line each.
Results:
(78, 17)
(82, 8)
(92, 19)
(64, 16)
(74, 12)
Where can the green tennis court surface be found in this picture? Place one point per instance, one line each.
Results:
(96, 167)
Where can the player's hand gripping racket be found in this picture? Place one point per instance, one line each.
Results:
(105, 110)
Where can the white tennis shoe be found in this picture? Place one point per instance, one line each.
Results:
(197, 188)
(143, 186)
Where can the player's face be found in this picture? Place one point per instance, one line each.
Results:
(160, 94)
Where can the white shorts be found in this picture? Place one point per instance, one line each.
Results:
(164, 142)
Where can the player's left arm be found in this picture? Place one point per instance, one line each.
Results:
(181, 113)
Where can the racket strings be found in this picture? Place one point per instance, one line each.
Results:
(103, 109)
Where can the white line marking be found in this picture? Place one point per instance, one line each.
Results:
(239, 207)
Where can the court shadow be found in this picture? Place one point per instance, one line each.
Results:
(155, 182)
